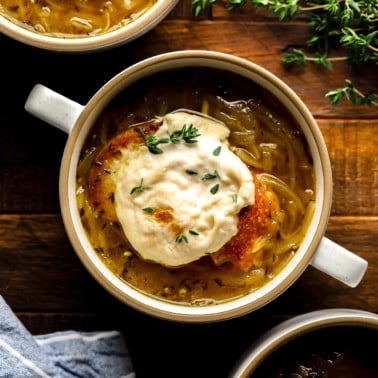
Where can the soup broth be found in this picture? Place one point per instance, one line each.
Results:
(72, 18)
(337, 352)
(264, 136)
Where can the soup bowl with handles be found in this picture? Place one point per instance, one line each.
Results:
(77, 121)
(133, 26)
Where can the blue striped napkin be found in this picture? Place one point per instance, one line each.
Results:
(61, 354)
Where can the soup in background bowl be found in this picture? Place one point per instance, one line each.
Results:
(195, 186)
(75, 25)
(337, 343)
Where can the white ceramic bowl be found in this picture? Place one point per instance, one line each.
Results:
(77, 120)
(301, 325)
(127, 33)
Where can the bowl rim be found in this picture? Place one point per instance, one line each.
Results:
(144, 302)
(273, 339)
(136, 28)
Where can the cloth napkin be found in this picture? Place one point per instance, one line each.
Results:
(61, 354)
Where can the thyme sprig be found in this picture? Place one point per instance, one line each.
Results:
(187, 133)
(349, 27)
(352, 94)
(152, 142)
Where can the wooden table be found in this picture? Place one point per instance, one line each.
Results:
(41, 277)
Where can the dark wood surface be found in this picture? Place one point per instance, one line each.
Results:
(41, 277)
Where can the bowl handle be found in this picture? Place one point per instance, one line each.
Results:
(53, 108)
(338, 262)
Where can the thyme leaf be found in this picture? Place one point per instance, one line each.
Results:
(148, 209)
(210, 176)
(180, 238)
(217, 151)
(175, 136)
(191, 172)
(214, 189)
(138, 188)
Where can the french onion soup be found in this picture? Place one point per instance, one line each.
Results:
(332, 352)
(195, 186)
(73, 18)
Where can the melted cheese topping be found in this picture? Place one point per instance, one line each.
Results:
(177, 216)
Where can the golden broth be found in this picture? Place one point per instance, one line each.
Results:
(264, 136)
(72, 18)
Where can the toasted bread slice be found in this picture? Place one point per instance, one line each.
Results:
(101, 179)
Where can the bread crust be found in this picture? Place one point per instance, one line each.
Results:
(103, 171)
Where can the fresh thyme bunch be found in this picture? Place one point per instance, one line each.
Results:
(349, 24)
